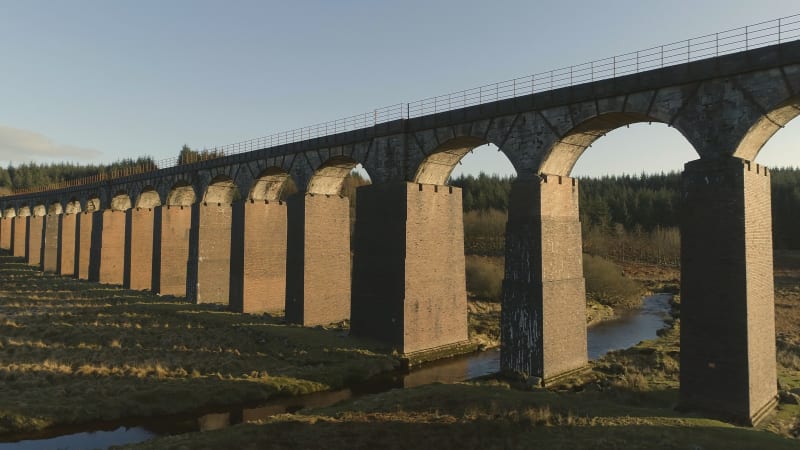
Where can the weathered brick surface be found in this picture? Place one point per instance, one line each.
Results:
(408, 277)
(50, 257)
(66, 243)
(175, 226)
(139, 268)
(84, 233)
(214, 253)
(112, 247)
(20, 236)
(33, 252)
(5, 232)
(543, 318)
(258, 263)
(727, 304)
(318, 259)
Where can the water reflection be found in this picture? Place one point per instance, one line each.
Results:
(623, 332)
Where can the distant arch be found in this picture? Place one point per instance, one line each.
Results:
(272, 184)
(55, 208)
(73, 206)
(39, 210)
(560, 159)
(436, 167)
(329, 178)
(181, 194)
(10, 212)
(93, 204)
(24, 211)
(148, 198)
(221, 190)
(766, 127)
(121, 201)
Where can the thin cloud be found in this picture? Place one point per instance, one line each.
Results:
(24, 145)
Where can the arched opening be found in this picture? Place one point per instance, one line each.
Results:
(273, 184)
(329, 178)
(436, 168)
(73, 206)
(39, 210)
(24, 211)
(54, 209)
(93, 204)
(9, 212)
(148, 198)
(181, 194)
(121, 201)
(221, 190)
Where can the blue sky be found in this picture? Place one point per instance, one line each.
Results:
(96, 81)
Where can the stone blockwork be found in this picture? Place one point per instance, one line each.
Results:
(318, 259)
(543, 319)
(214, 253)
(67, 244)
(33, 250)
(258, 257)
(172, 227)
(727, 301)
(20, 236)
(409, 287)
(139, 266)
(5, 233)
(50, 254)
(112, 247)
(85, 225)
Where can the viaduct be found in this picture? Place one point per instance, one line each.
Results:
(222, 231)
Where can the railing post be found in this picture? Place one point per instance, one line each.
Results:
(716, 39)
(614, 67)
(779, 30)
(688, 50)
(662, 56)
(747, 37)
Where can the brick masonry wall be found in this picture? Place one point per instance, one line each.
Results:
(409, 287)
(214, 250)
(20, 238)
(261, 269)
(139, 268)
(543, 317)
(727, 321)
(112, 247)
(85, 224)
(33, 252)
(318, 252)
(435, 308)
(66, 243)
(50, 258)
(5, 232)
(174, 230)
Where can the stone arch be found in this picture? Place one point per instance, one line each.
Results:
(436, 167)
(272, 184)
(93, 203)
(148, 198)
(181, 194)
(39, 210)
(9, 212)
(329, 178)
(24, 211)
(55, 208)
(223, 190)
(565, 152)
(73, 206)
(121, 201)
(766, 127)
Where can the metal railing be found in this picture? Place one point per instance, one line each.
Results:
(762, 34)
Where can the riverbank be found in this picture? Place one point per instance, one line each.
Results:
(77, 352)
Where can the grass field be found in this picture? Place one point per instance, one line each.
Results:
(74, 351)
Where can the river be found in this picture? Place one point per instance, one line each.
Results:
(624, 331)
